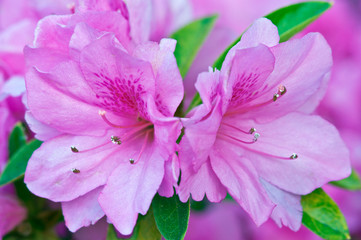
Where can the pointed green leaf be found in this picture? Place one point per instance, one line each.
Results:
(171, 216)
(17, 138)
(289, 20)
(145, 229)
(18, 162)
(322, 216)
(190, 39)
(352, 182)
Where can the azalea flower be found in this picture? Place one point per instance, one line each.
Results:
(253, 136)
(104, 106)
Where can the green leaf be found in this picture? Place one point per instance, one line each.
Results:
(190, 39)
(352, 182)
(322, 216)
(293, 19)
(112, 235)
(18, 162)
(171, 216)
(17, 138)
(289, 20)
(145, 229)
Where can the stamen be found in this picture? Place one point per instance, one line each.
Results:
(238, 129)
(74, 149)
(131, 160)
(252, 130)
(275, 97)
(236, 139)
(102, 114)
(74, 170)
(256, 136)
(115, 140)
(282, 90)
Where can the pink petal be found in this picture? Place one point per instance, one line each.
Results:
(288, 211)
(49, 173)
(208, 86)
(171, 175)
(169, 94)
(82, 36)
(198, 183)
(42, 131)
(241, 179)
(105, 21)
(262, 31)
(60, 111)
(131, 188)
(201, 134)
(52, 33)
(140, 13)
(44, 59)
(83, 211)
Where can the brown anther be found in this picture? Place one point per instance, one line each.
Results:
(116, 140)
(275, 97)
(74, 149)
(252, 130)
(74, 170)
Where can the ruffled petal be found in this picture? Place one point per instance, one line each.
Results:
(288, 211)
(83, 211)
(198, 183)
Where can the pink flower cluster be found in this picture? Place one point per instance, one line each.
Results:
(102, 90)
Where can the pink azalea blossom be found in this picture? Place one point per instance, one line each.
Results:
(253, 136)
(104, 106)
